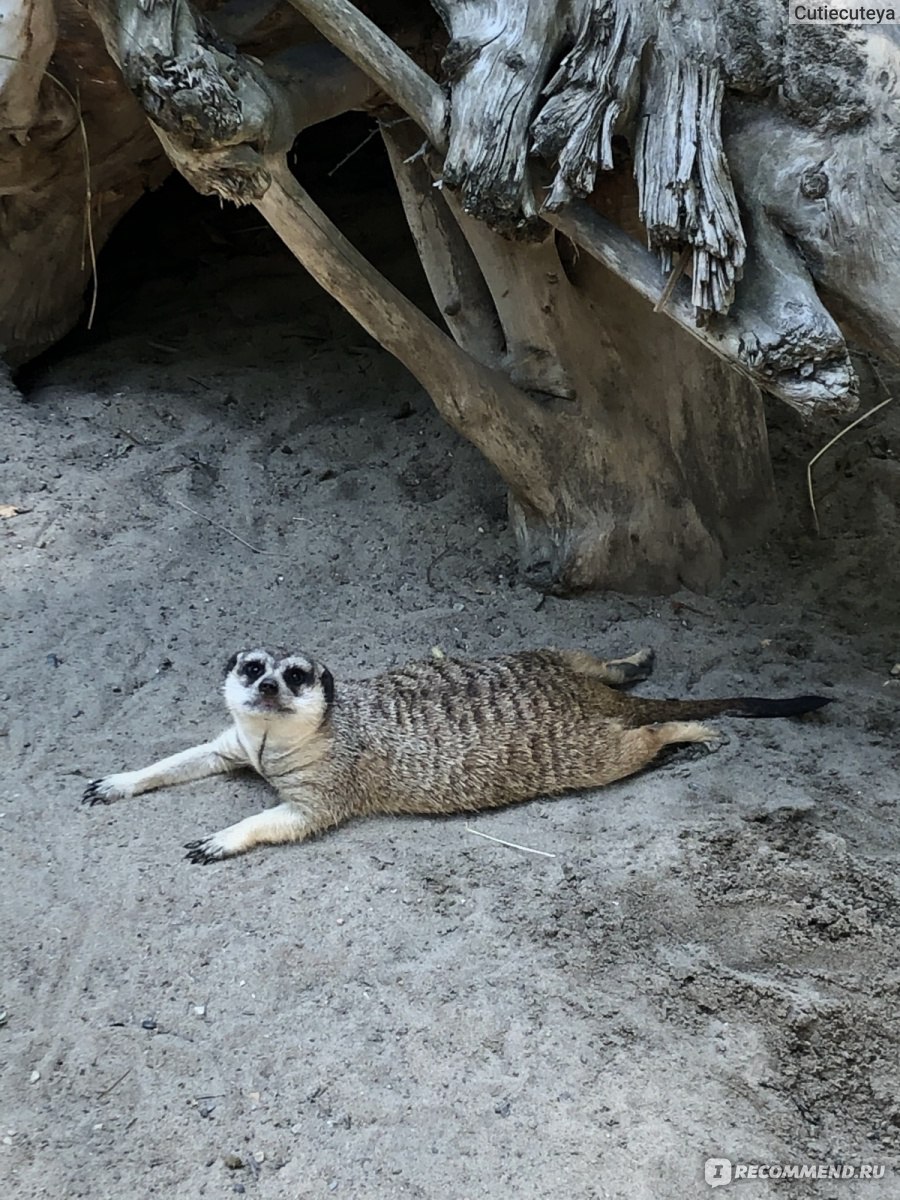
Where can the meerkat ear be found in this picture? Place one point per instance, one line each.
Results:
(230, 665)
(328, 685)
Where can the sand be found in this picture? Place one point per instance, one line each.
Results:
(701, 961)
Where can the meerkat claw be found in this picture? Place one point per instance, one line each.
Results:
(204, 851)
(699, 749)
(108, 789)
(714, 744)
(94, 793)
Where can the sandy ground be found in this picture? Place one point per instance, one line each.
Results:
(705, 963)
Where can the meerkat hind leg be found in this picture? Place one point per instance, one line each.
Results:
(639, 747)
(614, 672)
(271, 827)
(672, 733)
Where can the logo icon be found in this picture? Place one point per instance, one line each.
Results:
(717, 1171)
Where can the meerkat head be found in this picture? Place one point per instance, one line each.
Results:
(260, 684)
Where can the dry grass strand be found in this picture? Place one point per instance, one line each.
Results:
(512, 845)
(837, 437)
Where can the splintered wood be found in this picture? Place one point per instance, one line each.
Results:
(686, 196)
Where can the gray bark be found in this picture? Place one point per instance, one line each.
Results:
(61, 191)
(627, 403)
(500, 52)
(805, 363)
(632, 441)
(452, 270)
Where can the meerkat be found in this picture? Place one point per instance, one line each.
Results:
(442, 736)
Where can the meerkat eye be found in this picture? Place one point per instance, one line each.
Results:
(252, 670)
(296, 678)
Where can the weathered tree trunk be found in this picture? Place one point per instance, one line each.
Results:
(631, 440)
(76, 153)
(628, 402)
(661, 456)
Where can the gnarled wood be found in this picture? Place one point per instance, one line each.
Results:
(686, 196)
(496, 62)
(479, 402)
(551, 451)
(618, 386)
(633, 457)
(27, 39)
(206, 102)
(76, 154)
(451, 268)
(780, 337)
(835, 192)
(831, 386)
(587, 96)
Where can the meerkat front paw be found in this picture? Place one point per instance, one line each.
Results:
(105, 791)
(207, 850)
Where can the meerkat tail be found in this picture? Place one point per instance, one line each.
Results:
(641, 711)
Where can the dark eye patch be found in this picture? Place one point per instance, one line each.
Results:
(252, 670)
(296, 678)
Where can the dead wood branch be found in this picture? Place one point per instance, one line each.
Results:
(382, 60)
(802, 359)
(480, 403)
(453, 273)
(496, 62)
(829, 386)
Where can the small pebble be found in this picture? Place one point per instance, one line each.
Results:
(233, 1162)
(199, 1010)
(34, 1076)
(148, 1023)
(260, 1156)
(895, 670)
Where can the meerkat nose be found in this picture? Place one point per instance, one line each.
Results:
(268, 687)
